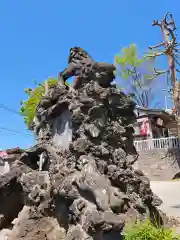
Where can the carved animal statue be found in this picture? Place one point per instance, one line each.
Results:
(80, 63)
(77, 59)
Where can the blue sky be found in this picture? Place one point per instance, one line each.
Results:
(36, 36)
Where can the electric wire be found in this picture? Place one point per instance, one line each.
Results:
(8, 129)
(9, 109)
(14, 131)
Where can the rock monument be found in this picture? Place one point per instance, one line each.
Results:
(78, 181)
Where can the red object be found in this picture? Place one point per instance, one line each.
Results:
(144, 128)
(3, 154)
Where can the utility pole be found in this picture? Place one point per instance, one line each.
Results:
(171, 50)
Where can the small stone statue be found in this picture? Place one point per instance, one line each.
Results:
(81, 65)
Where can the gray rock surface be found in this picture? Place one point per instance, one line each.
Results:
(87, 188)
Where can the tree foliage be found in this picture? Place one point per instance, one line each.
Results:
(28, 107)
(127, 59)
(138, 73)
(148, 231)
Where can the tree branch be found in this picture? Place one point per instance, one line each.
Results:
(155, 54)
(156, 23)
(156, 46)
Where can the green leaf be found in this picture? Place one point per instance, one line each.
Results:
(129, 67)
(28, 107)
(120, 60)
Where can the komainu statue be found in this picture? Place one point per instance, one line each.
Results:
(82, 66)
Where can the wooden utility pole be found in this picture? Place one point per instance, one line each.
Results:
(171, 50)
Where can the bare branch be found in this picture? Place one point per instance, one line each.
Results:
(165, 18)
(156, 46)
(177, 44)
(159, 72)
(177, 61)
(155, 54)
(156, 23)
(177, 55)
(168, 28)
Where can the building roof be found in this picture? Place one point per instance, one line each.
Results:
(164, 115)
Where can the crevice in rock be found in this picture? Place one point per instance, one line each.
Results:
(11, 203)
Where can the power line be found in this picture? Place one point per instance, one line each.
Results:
(11, 130)
(8, 129)
(14, 131)
(11, 135)
(7, 134)
(9, 109)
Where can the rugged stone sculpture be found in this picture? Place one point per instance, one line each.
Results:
(87, 188)
(81, 65)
